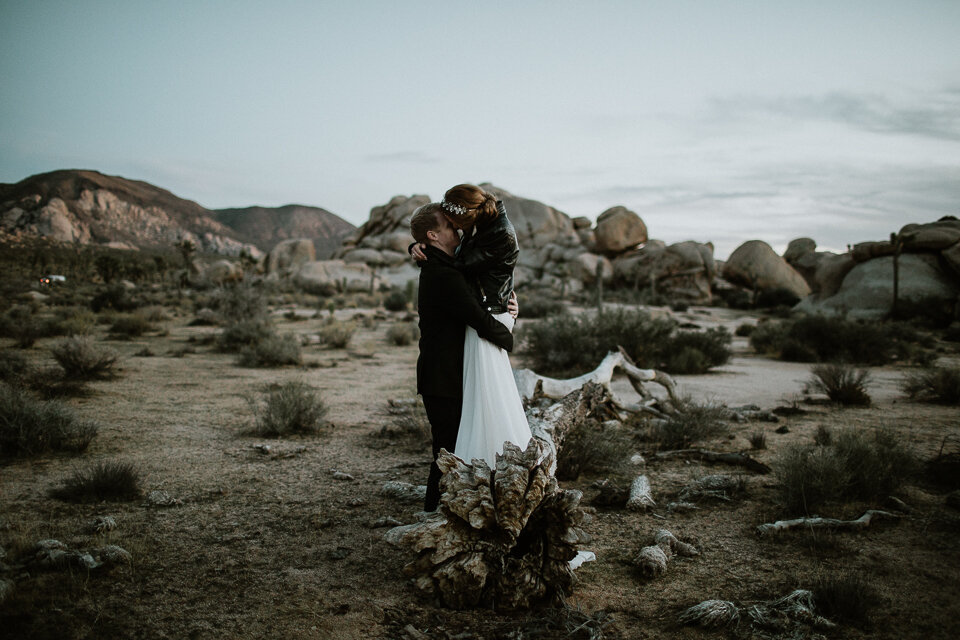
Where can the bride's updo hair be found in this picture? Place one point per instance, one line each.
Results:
(480, 206)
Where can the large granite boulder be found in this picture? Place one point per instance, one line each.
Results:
(619, 229)
(863, 251)
(387, 228)
(951, 256)
(830, 270)
(755, 265)
(867, 290)
(583, 267)
(932, 236)
(288, 255)
(327, 276)
(537, 224)
(682, 271)
(222, 272)
(799, 248)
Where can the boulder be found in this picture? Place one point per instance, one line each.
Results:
(863, 251)
(394, 258)
(799, 248)
(581, 222)
(223, 271)
(867, 290)
(367, 256)
(619, 229)
(386, 225)
(755, 265)
(584, 268)
(932, 236)
(536, 224)
(952, 257)
(830, 271)
(682, 271)
(289, 255)
(336, 275)
(397, 241)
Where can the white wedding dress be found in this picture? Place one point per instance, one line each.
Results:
(492, 409)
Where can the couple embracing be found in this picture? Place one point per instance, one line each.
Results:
(467, 311)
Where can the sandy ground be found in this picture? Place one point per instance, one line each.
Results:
(272, 546)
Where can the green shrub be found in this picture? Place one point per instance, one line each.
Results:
(292, 407)
(20, 323)
(13, 365)
(29, 427)
(591, 448)
(540, 305)
(244, 333)
(841, 383)
(113, 296)
(396, 300)
(403, 334)
(82, 359)
(744, 330)
(239, 303)
(859, 465)
(130, 325)
(75, 321)
(337, 335)
(691, 422)
(844, 597)
(111, 481)
(936, 384)
(696, 351)
(823, 437)
(273, 351)
(767, 338)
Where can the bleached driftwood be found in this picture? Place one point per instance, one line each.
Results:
(739, 459)
(652, 560)
(501, 539)
(533, 385)
(641, 497)
(552, 425)
(773, 528)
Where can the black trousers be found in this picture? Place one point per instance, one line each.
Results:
(444, 416)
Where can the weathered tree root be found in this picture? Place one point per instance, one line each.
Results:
(711, 614)
(641, 497)
(720, 487)
(795, 608)
(773, 528)
(652, 561)
(501, 538)
(531, 384)
(738, 459)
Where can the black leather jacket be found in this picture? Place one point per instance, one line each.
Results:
(488, 258)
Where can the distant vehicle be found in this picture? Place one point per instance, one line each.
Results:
(46, 281)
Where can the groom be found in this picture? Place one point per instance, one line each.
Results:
(446, 304)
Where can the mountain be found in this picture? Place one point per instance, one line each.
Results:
(88, 207)
(266, 226)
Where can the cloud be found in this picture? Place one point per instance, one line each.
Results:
(403, 157)
(938, 116)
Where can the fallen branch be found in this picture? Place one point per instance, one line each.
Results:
(652, 560)
(716, 486)
(641, 497)
(533, 385)
(824, 523)
(738, 459)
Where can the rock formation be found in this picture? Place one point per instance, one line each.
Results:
(265, 227)
(756, 266)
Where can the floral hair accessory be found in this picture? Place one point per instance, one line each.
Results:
(455, 209)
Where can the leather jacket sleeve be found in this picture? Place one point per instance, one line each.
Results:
(492, 246)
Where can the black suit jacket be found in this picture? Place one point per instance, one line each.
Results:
(446, 305)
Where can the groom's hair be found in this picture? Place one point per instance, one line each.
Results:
(425, 219)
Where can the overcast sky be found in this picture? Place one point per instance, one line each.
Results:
(713, 120)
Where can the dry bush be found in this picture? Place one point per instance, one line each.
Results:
(336, 334)
(396, 300)
(744, 330)
(407, 422)
(237, 303)
(540, 305)
(244, 333)
(858, 466)
(403, 334)
(29, 427)
(131, 325)
(111, 481)
(273, 351)
(758, 440)
(592, 448)
(82, 359)
(844, 597)
(691, 422)
(823, 437)
(290, 408)
(841, 383)
(935, 384)
(13, 365)
(75, 321)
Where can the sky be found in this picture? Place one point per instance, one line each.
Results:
(713, 120)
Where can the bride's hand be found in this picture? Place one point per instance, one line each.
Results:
(512, 307)
(416, 251)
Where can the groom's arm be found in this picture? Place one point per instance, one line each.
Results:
(464, 307)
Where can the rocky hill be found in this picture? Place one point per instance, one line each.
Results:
(265, 227)
(88, 207)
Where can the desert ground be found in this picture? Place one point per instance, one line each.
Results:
(269, 544)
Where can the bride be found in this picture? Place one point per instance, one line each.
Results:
(492, 410)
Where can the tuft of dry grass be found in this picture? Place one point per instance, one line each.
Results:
(935, 384)
(403, 334)
(290, 408)
(841, 383)
(111, 481)
(29, 427)
(82, 359)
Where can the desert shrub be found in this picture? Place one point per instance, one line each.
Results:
(696, 351)
(844, 597)
(292, 407)
(818, 338)
(403, 334)
(154, 313)
(408, 422)
(744, 330)
(540, 305)
(841, 383)
(693, 421)
(272, 351)
(12, 365)
(238, 303)
(130, 325)
(20, 323)
(569, 345)
(780, 297)
(29, 427)
(82, 359)
(936, 384)
(111, 481)
(591, 448)
(75, 321)
(396, 300)
(244, 333)
(337, 335)
(758, 440)
(860, 465)
(823, 437)
(113, 296)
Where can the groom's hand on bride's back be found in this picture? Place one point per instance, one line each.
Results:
(512, 307)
